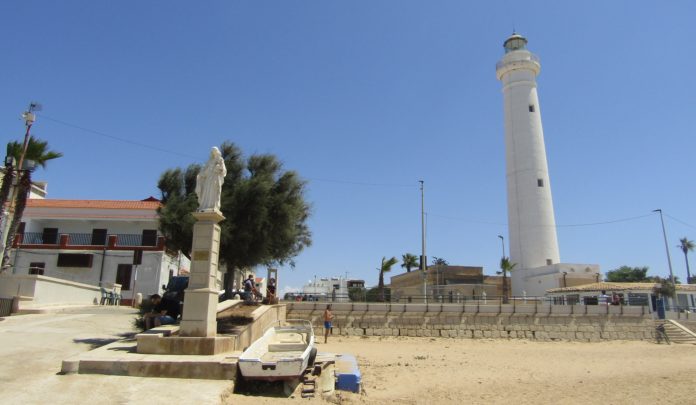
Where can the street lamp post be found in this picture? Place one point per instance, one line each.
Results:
(424, 266)
(669, 259)
(505, 287)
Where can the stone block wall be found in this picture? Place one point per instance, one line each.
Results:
(264, 317)
(482, 321)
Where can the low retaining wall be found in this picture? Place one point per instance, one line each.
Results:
(33, 292)
(264, 317)
(521, 321)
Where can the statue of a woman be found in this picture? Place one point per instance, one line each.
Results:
(209, 182)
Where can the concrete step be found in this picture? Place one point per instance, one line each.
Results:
(121, 358)
(676, 333)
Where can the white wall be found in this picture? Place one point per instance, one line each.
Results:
(40, 291)
(325, 286)
(152, 273)
(536, 281)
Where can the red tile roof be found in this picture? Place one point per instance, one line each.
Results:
(95, 204)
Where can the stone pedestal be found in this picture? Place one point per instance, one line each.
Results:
(201, 297)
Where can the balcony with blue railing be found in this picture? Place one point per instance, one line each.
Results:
(52, 240)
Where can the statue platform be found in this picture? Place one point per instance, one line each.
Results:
(162, 352)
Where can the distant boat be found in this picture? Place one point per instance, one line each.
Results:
(283, 352)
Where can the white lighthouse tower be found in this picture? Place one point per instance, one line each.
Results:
(531, 222)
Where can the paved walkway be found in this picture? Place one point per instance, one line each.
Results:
(32, 348)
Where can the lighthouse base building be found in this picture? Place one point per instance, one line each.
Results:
(534, 282)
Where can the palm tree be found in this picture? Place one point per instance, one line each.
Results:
(384, 268)
(686, 246)
(38, 152)
(505, 266)
(409, 261)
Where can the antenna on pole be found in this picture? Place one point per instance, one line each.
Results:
(28, 116)
(34, 106)
(7, 234)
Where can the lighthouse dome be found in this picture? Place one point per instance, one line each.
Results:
(515, 42)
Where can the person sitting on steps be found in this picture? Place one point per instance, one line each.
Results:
(164, 312)
(250, 291)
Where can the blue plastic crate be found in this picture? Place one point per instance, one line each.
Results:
(348, 377)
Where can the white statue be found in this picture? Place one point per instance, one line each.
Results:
(209, 182)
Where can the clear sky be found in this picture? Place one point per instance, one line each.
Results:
(363, 99)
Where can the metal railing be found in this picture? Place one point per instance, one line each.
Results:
(371, 297)
(681, 309)
(532, 57)
(34, 238)
(124, 239)
(523, 307)
(5, 306)
(85, 239)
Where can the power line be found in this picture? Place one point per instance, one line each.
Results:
(557, 226)
(116, 138)
(605, 222)
(159, 149)
(358, 183)
(680, 221)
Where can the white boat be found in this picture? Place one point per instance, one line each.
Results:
(283, 352)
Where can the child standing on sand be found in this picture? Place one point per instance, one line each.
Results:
(328, 317)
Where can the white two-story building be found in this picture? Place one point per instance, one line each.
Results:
(97, 242)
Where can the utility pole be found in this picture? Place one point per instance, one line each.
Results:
(424, 265)
(669, 259)
(29, 117)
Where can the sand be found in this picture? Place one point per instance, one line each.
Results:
(441, 371)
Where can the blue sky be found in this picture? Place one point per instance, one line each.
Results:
(363, 99)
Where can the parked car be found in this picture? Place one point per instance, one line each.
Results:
(176, 287)
(174, 290)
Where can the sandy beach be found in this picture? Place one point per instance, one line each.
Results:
(440, 371)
